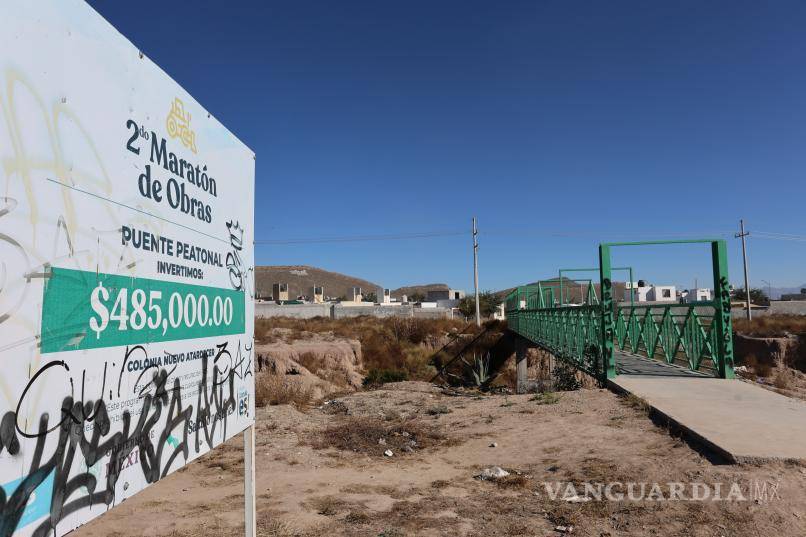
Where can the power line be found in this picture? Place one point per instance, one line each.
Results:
(499, 232)
(363, 238)
(778, 236)
(600, 234)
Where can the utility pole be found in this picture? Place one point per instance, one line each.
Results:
(742, 234)
(769, 291)
(476, 271)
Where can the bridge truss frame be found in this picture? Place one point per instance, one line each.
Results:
(587, 335)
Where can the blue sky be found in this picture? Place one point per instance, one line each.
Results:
(558, 124)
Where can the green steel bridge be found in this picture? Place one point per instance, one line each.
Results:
(605, 337)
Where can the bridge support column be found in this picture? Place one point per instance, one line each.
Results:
(521, 363)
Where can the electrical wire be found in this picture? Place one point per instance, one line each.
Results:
(364, 238)
(777, 236)
(494, 232)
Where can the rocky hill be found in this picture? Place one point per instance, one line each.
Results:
(573, 291)
(410, 290)
(301, 279)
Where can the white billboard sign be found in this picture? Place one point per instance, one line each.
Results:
(126, 271)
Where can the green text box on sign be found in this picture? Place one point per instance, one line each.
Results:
(88, 310)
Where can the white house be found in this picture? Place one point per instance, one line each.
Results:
(654, 293)
(662, 293)
(697, 295)
(384, 296)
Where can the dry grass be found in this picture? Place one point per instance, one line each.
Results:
(400, 329)
(362, 435)
(276, 390)
(514, 481)
(771, 326)
(545, 398)
(388, 344)
(636, 403)
(269, 525)
(758, 367)
(783, 380)
(310, 361)
(357, 517)
(326, 505)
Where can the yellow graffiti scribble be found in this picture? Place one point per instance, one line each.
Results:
(178, 125)
(18, 165)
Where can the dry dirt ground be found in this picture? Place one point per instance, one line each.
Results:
(305, 488)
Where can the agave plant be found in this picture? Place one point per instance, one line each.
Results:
(481, 369)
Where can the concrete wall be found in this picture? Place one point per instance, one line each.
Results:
(336, 311)
(343, 312)
(793, 307)
(432, 313)
(297, 311)
(379, 310)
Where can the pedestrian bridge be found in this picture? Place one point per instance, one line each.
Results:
(678, 358)
(605, 337)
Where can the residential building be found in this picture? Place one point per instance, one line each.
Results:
(699, 294)
(384, 296)
(279, 292)
(445, 294)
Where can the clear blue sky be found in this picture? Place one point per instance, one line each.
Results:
(600, 120)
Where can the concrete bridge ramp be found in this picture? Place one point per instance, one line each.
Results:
(741, 422)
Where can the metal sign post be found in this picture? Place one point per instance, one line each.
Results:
(249, 482)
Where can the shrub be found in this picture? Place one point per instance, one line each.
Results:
(357, 517)
(782, 380)
(275, 390)
(545, 398)
(417, 363)
(361, 435)
(759, 368)
(565, 377)
(382, 376)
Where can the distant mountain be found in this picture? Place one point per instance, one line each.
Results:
(421, 289)
(573, 291)
(302, 278)
(776, 292)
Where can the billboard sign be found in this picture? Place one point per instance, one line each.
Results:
(126, 271)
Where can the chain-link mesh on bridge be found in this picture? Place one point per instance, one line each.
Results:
(599, 335)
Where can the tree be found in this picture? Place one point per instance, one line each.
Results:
(757, 296)
(488, 304)
(416, 297)
(371, 297)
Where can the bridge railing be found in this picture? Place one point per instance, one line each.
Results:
(572, 333)
(682, 334)
(676, 333)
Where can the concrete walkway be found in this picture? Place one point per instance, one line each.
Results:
(741, 422)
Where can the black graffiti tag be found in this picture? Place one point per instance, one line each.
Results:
(161, 415)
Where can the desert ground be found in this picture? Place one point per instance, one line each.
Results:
(322, 471)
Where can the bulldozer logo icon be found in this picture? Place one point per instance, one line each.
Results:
(178, 125)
